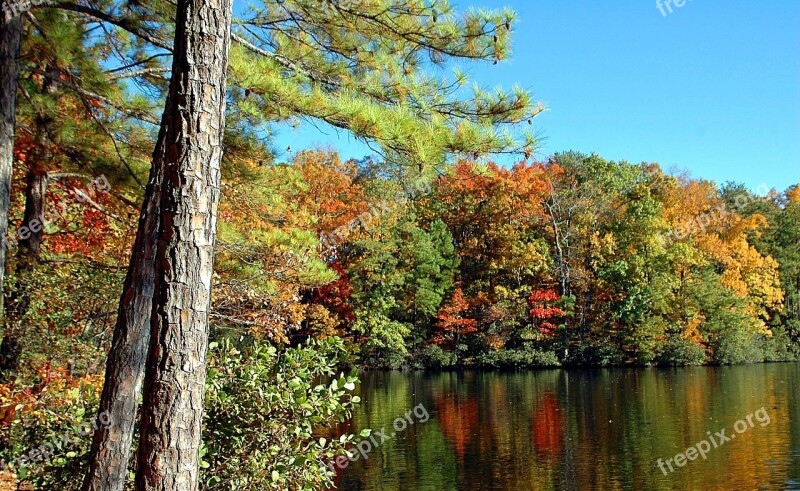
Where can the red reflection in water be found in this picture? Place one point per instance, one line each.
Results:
(547, 427)
(457, 417)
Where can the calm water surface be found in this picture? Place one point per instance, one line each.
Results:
(580, 429)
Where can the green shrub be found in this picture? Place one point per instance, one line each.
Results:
(601, 353)
(386, 343)
(433, 356)
(263, 411)
(525, 357)
(779, 347)
(737, 348)
(677, 351)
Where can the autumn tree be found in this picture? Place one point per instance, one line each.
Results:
(771, 228)
(454, 321)
(268, 249)
(544, 310)
(332, 195)
(713, 252)
(490, 211)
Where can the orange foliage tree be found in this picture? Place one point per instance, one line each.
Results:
(452, 321)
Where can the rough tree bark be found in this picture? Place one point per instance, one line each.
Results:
(10, 40)
(168, 454)
(111, 445)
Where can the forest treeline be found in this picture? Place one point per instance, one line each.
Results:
(572, 261)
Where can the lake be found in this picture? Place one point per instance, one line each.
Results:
(579, 430)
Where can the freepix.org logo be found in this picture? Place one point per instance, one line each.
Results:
(413, 416)
(703, 447)
(665, 6)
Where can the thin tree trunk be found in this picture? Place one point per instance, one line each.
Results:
(561, 260)
(10, 40)
(32, 229)
(30, 232)
(168, 455)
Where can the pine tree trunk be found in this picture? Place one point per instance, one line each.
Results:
(111, 446)
(168, 455)
(10, 40)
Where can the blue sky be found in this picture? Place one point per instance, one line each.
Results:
(712, 88)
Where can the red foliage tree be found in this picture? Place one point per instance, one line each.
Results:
(335, 296)
(451, 320)
(543, 309)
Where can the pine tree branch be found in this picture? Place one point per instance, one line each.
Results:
(233, 320)
(83, 261)
(121, 22)
(140, 73)
(54, 176)
(283, 61)
(114, 142)
(139, 62)
(147, 118)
